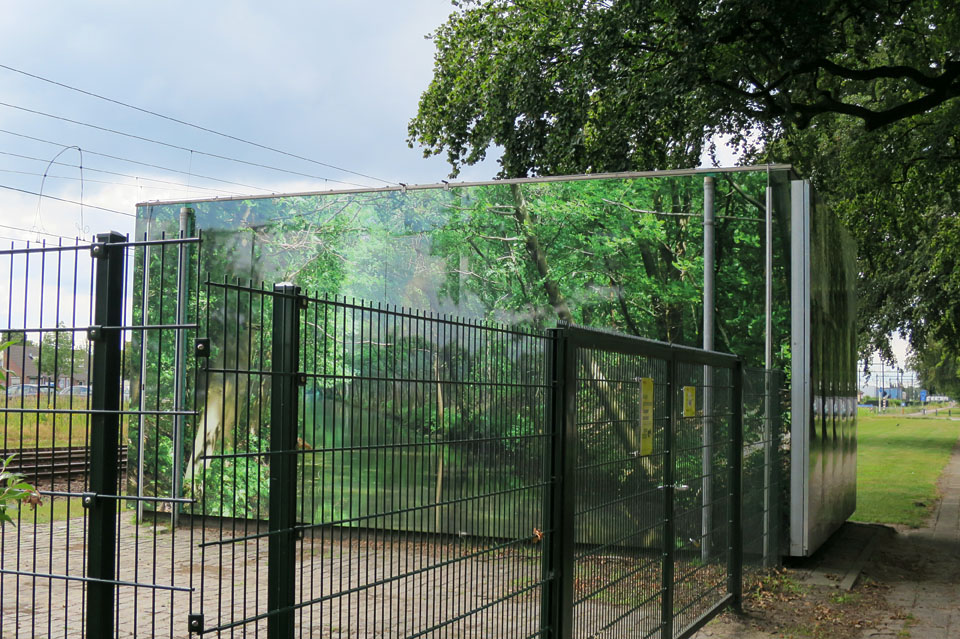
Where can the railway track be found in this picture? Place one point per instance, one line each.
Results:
(37, 464)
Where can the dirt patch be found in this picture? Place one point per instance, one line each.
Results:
(776, 604)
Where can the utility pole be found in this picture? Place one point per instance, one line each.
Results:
(709, 270)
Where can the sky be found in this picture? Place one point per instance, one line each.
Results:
(334, 81)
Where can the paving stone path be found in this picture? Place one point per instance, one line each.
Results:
(359, 587)
(354, 585)
(922, 567)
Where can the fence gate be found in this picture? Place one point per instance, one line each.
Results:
(647, 514)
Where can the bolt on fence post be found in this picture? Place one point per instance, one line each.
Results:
(556, 610)
(735, 554)
(104, 433)
(281, 549)
(666, 571)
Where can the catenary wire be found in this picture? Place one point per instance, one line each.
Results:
(177, 146)
(195, 126)
(126, 175)
(26, 230)
(181, 189)
(60, 199)
(138, 162)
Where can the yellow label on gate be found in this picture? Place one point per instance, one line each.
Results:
(689, 401)
(646, 415)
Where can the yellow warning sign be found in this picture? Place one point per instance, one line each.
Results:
(689, 401)
(646, 415)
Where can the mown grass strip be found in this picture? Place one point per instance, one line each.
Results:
(898, 462)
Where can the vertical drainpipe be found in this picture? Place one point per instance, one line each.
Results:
(709, 270)
(180, 364)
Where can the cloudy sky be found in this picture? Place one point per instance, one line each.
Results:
(333, 81)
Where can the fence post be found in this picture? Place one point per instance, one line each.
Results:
(735, 553)
(281, 548)
(105, 335)
(556, 611)
(666, 571)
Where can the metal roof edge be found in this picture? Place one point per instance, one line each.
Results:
(529, 180)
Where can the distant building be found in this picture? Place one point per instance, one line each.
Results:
(20, 364)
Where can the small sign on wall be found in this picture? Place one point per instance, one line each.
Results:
(689, 401)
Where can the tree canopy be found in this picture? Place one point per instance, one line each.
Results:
(861, 96)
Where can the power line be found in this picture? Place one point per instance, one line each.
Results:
(126, 175)
(89, 181)
(139, 163)
(25, 230)
(195, 126)
(60, 199)
(176, 146)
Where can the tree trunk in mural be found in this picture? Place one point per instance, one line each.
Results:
(629, 437)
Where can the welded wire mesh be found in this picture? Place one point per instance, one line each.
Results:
(766, 458)
(421, 473)
(85, 558)
(419, 463)
(702, 496)
(619, 501)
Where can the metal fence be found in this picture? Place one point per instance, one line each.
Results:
(302, 465)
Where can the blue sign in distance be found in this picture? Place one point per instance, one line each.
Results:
(923, 396)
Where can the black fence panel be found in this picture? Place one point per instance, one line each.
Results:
(85, 555)
(422, 476)
(227, 459)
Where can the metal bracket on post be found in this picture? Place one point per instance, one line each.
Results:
(195, 623)
(201, 347)
(105, 400)
(281, 547)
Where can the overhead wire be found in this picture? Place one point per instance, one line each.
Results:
(138, 162)
(26, 230)
(176, 146)
(91, 181)
(195, 126)
(126, 175)
(60, 199)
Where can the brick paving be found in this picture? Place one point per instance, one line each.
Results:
(391, 586)
(450, 582)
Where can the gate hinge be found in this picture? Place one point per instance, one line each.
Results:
(195, 621)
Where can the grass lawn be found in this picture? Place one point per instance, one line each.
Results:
(52, 509)
(898, 462)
